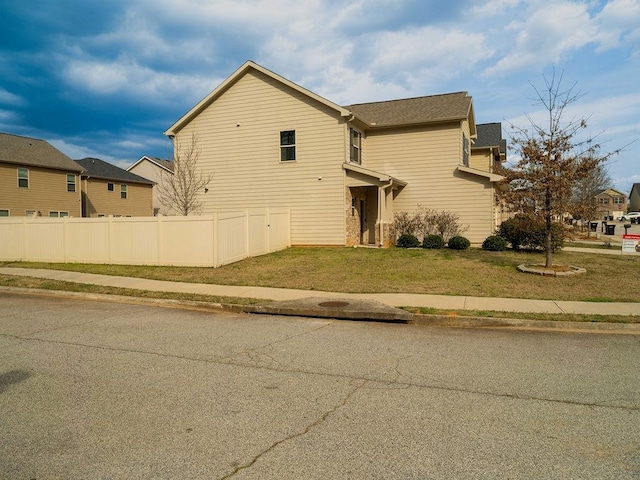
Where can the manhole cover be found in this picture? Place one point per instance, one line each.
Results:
(334, 304)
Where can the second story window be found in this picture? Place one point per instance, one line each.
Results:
(23, 177)
(110, 187)
(618, 200)
(123, 191)
(287, 145)
(71, 182)
(356, 146)
(465, 150)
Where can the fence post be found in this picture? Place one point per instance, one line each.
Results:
(65, 236)
(246, 233)
(214, 242)
(110, 238)
(267, 230)
(159, 239)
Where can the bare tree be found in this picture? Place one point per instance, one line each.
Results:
(181, 190)
(552, 159)
(584, 206)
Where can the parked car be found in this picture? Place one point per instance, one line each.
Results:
(629, 216)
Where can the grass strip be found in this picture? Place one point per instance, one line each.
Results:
(46, 284)
(552, 317)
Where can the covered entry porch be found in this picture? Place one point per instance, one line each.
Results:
(369, 206)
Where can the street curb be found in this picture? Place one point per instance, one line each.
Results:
(417, 319)
(460, 321)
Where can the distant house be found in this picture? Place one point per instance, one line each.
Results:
(342, 170)
(153, 169)
(611, 203)
(111, 190)
(634, 198)
(37, 179)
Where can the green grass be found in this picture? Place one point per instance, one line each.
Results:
(472, 272)
(553, 317)
(45, 284)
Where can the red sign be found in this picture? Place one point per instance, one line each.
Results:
(631, 236)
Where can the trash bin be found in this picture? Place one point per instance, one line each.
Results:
(594, 226)
(634, 219)
(611, 218)
(611, 229)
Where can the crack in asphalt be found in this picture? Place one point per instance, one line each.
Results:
(249, 351)
(306, 430)
(391, 383)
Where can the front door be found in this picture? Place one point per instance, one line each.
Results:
(364, 231)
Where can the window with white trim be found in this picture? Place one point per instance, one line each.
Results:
(465, 150)
(71, 182)
(287, 145)
(355, 141)
(110, 187)
(4, 213)
(23, 177)
(123, 191)
(30, 213)
(55, 214)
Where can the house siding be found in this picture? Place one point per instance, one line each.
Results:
(238, 138)
(154, 173)
(427, 158)
(98, 200)
(47, 191)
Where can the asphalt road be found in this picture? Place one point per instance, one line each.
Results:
(96, 390)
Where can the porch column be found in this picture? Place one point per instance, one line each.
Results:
(385, 219)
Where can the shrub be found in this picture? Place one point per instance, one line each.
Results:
(459, 243)
(433, 241)
(405, 224)
(528, 231)
(494, 243)
(406, 240)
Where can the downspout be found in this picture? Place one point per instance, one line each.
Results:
(381, 198)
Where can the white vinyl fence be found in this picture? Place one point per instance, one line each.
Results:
(203, 241)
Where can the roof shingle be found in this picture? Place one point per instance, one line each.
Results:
(34, 153)
(96, 168)
(414, 111)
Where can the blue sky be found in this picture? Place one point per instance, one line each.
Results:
(106, 78)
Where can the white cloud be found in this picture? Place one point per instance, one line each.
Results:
(129, 78)
(619, 24)
(492, 8)
(8, 98)
(547, 33)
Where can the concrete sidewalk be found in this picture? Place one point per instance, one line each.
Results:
(444, 302)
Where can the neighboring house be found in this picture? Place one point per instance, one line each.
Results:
(111, 190)
(342, 170)
(634, 198)
(153, 169)
(37, 179)
(488, 153)
(611, 203)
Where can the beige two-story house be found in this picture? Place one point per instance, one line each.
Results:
(154, 169)
(36, 179)
(611, 203)
(342, 170)
(110, 190)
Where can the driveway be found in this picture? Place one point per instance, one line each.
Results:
(92, 390)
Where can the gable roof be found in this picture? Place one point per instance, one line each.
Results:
(164, 164)
(96, 168)
(415, 111)
(635, 186)
(231, 80)
(490, 135)
(610, 192)
(33, 152)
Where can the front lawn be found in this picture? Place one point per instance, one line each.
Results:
(472, 272)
